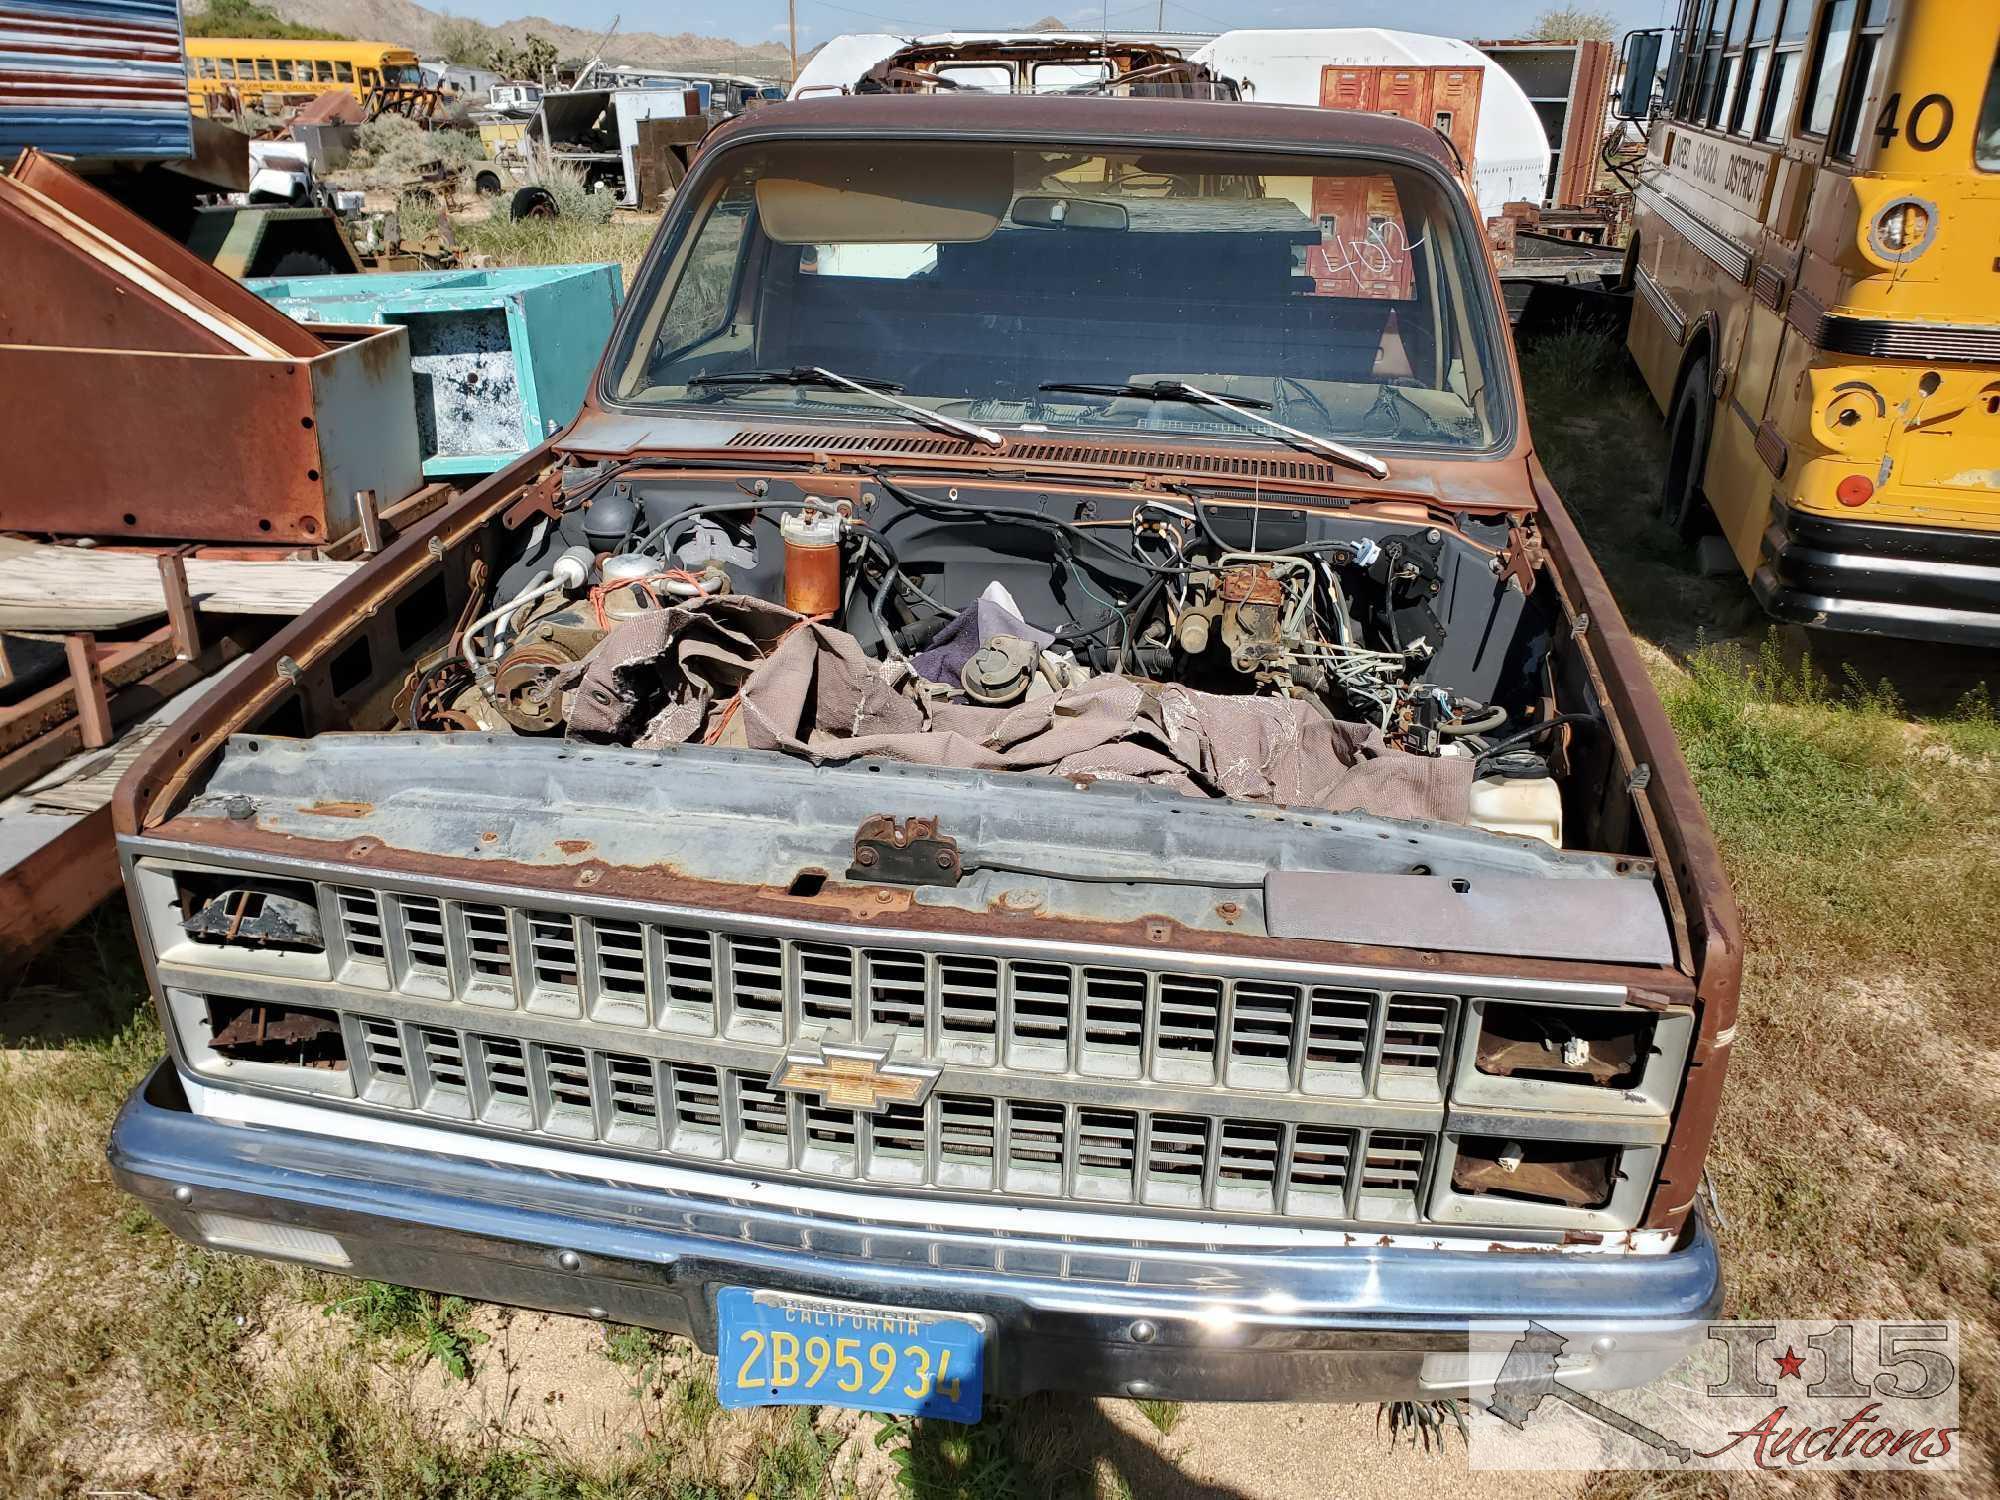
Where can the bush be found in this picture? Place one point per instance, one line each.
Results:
(246, 18)
(463, 40)
(391, 150)
(574, 200)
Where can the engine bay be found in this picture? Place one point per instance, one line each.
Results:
(1385, 658)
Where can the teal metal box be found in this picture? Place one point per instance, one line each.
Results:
(500, 358)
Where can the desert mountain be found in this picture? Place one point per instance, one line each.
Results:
(411, 24)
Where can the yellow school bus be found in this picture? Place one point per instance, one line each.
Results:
(224, 69)
(1816, 268)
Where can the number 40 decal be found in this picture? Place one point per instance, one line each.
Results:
(1928, 124)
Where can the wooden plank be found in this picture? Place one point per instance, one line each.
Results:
(54, 888)
(93, 709)
(371, 522)
(40, 756)
(391, 521)
(182, 617)
(119, 665)
(42, 587)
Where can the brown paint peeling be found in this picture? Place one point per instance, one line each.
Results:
(574, 847)
(338, 809)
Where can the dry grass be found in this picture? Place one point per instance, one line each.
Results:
(1857, 1160)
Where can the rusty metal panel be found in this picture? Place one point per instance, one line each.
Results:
(1584, 124)
(84, 271)
(192, 409)
(1455, 97)
(202, 446)
(1347, 87)
(94, 79)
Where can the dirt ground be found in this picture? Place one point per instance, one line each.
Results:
(1856, 1164)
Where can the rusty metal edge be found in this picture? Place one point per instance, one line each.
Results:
(174, 261)
(1715, 923)
(159, 776)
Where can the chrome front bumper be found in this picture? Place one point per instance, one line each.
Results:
(1925, 583)
(1346, 1323)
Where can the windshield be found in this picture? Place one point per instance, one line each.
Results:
(1340, 295)
(408, 73)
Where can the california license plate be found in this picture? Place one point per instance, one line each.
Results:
(781, 1350)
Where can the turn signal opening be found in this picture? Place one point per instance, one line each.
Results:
(1902, 229)
(1854, 490)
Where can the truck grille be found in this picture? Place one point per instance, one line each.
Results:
(1065, 1074)
(1013, 1015)
(1020, 1148)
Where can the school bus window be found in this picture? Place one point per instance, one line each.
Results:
(343, 72)
(1782, 90)
(245, 68)
(267, 69)
(1704, 76)
(1731, 83)
(1854, 97)
(1687, 58)
(323, 72)
(1763, 21)
(1986, 139)
(204, 68)
(1830, 49)
(370, 78)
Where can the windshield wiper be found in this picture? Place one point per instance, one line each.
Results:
(1246, 407)
(797, 375)
(1145, 390)
(878, 390)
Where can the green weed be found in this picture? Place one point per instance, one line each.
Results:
(417, 1325)
(797, 1466)
(951, 1461)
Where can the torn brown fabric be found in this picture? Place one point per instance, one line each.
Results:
(744, 672)
(653, 679)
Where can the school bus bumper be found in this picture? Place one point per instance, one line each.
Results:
(1927, 583)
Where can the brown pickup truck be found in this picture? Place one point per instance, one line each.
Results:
(1039, 794)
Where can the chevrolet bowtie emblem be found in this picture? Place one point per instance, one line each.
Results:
(852, 1077)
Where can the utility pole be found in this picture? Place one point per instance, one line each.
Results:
(1161, 23)
(792, 22)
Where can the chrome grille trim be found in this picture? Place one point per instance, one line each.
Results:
(1046, 1015)
(1078, 1152)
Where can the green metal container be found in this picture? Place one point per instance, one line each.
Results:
(500, 358)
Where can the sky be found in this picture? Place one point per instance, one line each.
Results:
(764, 20)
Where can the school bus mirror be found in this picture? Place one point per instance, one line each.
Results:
(1642, 66)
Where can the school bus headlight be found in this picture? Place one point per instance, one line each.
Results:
(1903, 230)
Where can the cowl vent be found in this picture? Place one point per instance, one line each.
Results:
(1020, 451)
